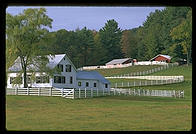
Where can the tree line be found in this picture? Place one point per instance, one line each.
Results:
(167, 31)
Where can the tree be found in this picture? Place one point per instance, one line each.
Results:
(24, 33)
(85, 44)
(183, 34)
(110, 36)
(129, 43)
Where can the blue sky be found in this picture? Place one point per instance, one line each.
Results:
(72, 17)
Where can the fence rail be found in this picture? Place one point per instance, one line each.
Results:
(147, 81)
(147, 92)
(153, 70)
(89, 93)
(67, 93)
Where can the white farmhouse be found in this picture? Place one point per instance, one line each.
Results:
(69, 77)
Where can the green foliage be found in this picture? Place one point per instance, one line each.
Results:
(182, 34)
(110, 36)
(24, 33)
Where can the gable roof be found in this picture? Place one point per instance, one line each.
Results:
(91, 75)
(53, 62)
(166, 56)
(117, 61)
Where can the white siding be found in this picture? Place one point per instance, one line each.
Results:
(67, 75)
(99, 86)
(91, 84)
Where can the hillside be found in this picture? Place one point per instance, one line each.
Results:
(126, 70)
(184, 70)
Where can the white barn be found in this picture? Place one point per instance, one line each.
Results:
(69, 77)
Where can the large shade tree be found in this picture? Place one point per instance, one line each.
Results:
(24, 33)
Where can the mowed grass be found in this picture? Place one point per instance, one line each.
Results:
(113, 113)
(126, 70)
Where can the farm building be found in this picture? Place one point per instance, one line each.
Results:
(91, 79)
(119, 62)
(69, 76)
(162, 58)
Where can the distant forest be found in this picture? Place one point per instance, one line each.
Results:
(167, 31)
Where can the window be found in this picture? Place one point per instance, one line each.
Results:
(79, 84)
(55, 79)
(59, 79)
(87, 84)
(95, 84)
(106, 85)
(60, 67)
(71, 79)
(38, 79)
(45, 79)
(63, 79)
(42, 79)
(68, 68)
(28, 79)
(16, 80)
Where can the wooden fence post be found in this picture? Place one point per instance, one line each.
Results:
(16, 92)
(51, 91)
(85, 92)
(79, 92)
(62, 91)
(97, 91)
(103, 91)
(27, 90)
(73, 90)
(91, 92)
(134, 92)
(39, 91)
(129, 91)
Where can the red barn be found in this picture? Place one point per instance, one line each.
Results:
(161, 57)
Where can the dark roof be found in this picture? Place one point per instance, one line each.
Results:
(117, 61)
(91, 75)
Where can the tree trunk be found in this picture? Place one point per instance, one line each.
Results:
(25, 78)
(187, 58)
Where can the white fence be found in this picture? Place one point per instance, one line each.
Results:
(84, 93)
(88, 93)
(147, 92)
(67, 93)
(150, 71)
(149, 81)
(127, 65)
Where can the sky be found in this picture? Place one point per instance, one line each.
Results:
(94, 18)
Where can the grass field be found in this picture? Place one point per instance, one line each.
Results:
(114, 113)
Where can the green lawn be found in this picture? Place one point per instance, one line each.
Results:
(129, 113)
